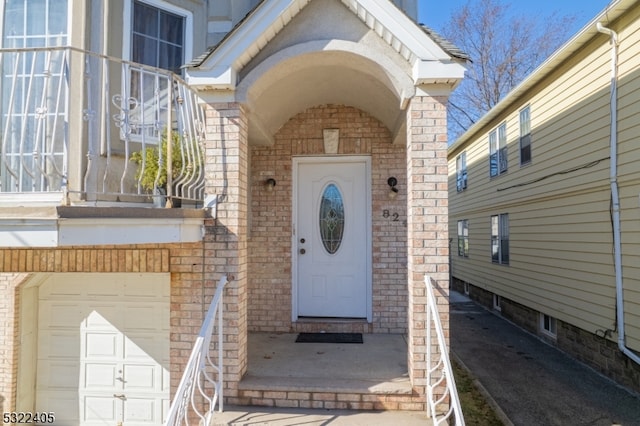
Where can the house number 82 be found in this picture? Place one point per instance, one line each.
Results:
(395, 217)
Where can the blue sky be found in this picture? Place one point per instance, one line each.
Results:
(436, 13)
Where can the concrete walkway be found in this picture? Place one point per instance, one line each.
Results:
(262, 416)
(532, 382)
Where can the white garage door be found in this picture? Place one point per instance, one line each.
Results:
(103, 349)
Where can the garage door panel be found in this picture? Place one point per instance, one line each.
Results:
(64, 405)
(99, 408)
(100, 376)
(143, 411)
(58, 374)
(101, 345)
(60, 343)
(142, 291)
(143, 317)
(56, 314)
(58, 287)
(144, 348)
(141, 377)
(104, 317)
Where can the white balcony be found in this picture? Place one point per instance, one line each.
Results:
(90, 133)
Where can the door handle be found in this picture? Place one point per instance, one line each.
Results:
(302, 251)
(120, 396)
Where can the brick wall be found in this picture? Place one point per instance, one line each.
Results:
(226, 251)
(270, 280)
(9, 311)
(428, 251)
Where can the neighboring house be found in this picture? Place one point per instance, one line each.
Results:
(283, 139)
(543, 192)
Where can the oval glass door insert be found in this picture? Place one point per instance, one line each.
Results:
(331, 218)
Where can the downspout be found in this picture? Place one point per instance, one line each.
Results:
(615, 196)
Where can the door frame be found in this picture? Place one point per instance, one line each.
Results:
(331, 159)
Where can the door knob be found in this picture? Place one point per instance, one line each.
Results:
(302, 240)
(302, 251)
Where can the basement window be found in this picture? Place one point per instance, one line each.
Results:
(548, 325)
(497, 303)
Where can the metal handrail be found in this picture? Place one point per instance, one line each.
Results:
(200, 369)
(440, 373)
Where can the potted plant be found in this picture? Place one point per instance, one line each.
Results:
(152, 168)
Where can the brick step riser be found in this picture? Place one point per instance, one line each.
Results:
(329, 400)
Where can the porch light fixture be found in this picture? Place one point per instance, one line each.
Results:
(269, 184)
(393, 192)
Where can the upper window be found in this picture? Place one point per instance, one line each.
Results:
(498, 150)
(461, 172)
(31, 142)
(500, 239)
(463, 238)
(157, 37)
(35, 23)
(525, 136)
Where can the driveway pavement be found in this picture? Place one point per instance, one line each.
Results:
(532, 382)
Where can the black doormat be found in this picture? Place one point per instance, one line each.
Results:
(329, 338)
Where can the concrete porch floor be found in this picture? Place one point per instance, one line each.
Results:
(378, 365)
(308, 371)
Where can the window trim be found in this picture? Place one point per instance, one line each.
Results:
(461, 172)
(497, 302)
(552, 329)
(499, 238)
(463, 249)
(498, 147)
(127, 26)
(525, 136)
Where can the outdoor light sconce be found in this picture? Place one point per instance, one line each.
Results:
(393, 192)
(269, 184)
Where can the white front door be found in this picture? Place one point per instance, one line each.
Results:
(103, 350)
(332, 244)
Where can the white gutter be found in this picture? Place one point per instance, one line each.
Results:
(613, 179)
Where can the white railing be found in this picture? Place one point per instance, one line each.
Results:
(441, 385)
(96, 128)
(199, 391)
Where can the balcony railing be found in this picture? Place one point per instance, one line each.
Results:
(79, 127)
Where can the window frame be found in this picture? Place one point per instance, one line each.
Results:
(127, 29)
(463, 239)
(525, 136)
(498, 152)
(461, 172)
(69, 27)
(548, 325)
(150, 114)
(500, 239)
